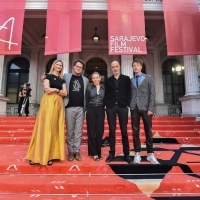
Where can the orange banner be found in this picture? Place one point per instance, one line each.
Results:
(182, 25)
(126, 27)
(63, 27)
(11, 26)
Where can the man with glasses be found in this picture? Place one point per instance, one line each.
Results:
(75, 104)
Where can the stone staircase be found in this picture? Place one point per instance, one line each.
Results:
(176, 145)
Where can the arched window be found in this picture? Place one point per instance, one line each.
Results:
(173, 81)
(18, 73)
(49, 64)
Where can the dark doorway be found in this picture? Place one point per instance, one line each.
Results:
(18, 74)
(173, 81)
(98, 65)
(49, 64)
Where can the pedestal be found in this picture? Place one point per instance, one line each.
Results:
(161, 109)
(190, 105)
(3, 103)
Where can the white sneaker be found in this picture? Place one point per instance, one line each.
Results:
(151, 158)
(137, 158)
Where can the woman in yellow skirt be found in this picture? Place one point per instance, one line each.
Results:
(48, 137)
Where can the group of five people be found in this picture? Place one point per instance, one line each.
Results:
(119, 95)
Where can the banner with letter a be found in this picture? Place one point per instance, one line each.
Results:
(11, 26)
(182, 25)
(63, 26)
(126, 27)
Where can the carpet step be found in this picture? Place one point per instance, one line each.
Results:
(156, 139)
(156, 117)
(8, 119)
(166, 127)
(32, 122)
(27, 121)
(102, 184)
(162, 133)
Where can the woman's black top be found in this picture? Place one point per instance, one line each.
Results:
(94, 97)
(55, 81)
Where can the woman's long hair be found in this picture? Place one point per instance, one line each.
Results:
(52, 68)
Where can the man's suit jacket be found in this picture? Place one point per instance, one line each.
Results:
(67, 78)
(144, 95)
(121, 95)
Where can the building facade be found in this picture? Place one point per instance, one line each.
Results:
(176, 77)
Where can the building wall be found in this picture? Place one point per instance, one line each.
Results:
(152, 62)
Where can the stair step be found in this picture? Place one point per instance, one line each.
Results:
(102, 184)
(16, 130)
(155, 127)
(162, 133)
(169, 140)
(30, 122)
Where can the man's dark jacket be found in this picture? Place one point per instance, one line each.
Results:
(121, 95)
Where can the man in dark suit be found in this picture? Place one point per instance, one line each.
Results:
(142, 105)
(117, 101)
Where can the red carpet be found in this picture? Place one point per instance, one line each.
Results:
(177, 148)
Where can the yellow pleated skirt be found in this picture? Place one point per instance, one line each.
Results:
(48, 137)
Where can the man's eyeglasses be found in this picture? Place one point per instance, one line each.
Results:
(80, 67)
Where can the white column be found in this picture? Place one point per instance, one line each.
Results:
(126, 65)
(191, 75)
(75, 56)
(1, 73)
(33, 78)
(65, 60)
(158, 77)
(3, 100)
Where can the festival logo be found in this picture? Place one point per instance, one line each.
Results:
(7, 33)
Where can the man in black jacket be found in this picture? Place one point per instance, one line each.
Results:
(117, 102)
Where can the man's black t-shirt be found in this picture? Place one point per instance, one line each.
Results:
(76, 92)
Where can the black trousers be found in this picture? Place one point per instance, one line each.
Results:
(123, 120)
(20, 105)
(147, 121)
(95, 127)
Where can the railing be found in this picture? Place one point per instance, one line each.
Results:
(12, 109)
(174, 109)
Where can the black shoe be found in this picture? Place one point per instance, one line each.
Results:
(128, 159)
(31, 162)
(50, 162)
(109, 158)
(105, 142)
(27, 115)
